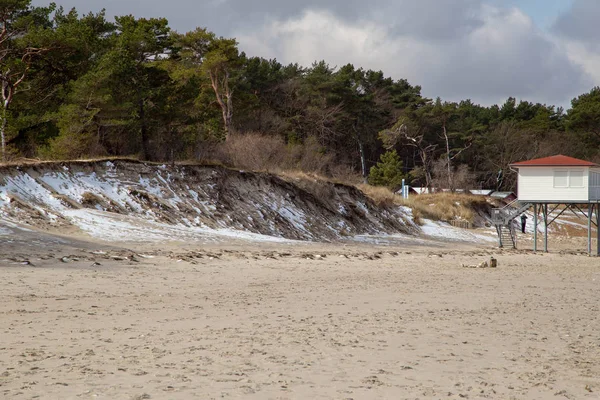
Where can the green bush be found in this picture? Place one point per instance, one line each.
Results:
(388, 171)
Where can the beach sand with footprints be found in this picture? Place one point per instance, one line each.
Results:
(297, 321)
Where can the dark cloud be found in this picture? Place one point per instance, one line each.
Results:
(527, 67)
(511, 57)
(350, 9)
(500, 54)
(221, 16)
(424, 18)
(581, 22)
(457, 49)
(433, 19)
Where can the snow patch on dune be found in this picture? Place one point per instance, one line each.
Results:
(139, 202)
(113, 227)
(445, 231)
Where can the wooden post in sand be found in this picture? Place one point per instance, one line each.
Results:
(590, 211)
(545, 212)
(535, 226)
(598, 229)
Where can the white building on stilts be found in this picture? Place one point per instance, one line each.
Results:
(552, 186)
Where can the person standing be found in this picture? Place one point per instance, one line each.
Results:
(523, 222)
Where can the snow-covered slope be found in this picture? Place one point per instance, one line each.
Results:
(133, 201)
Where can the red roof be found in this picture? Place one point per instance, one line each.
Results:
(559, 160)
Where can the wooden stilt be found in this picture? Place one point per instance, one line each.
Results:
(598, 229)
(535, 226)
(590, 212)
(545, 228)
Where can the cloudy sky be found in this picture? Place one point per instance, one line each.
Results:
(486, 50)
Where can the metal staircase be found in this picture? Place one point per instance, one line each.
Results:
(507, 235)
(503, 220)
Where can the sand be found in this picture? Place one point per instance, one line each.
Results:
(297, 321)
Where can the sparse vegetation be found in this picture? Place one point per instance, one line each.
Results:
(320, 187)
(90, 200)
(446, 206)
(259, 152)
(436, 206)
(381, 195)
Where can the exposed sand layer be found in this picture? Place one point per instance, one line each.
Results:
(115, 200)
(287, 321)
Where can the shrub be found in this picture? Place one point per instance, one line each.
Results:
(382, 196)
(388, 171)
(255, 152)
(258, 152)
(460, 176)
(309, 157)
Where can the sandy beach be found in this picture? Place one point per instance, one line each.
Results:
(298, 322)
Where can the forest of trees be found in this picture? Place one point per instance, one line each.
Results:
(79, 86)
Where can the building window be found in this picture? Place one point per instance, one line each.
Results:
(576, 178)
(569, 178)
(561, 178)
(595, 180)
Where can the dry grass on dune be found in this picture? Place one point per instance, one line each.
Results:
(319, 186)
(382, 196)
(445, 206)
(435, 206)
(295, 175)
(25, 162)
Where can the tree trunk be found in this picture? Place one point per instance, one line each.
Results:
(3, 133)
(7, 96)
(361, 149)
(144, 132)
(11, 80)
(363, 163)
(425, 161)
(448, 159)
(228, 117)
(424, 154)
(224, 97)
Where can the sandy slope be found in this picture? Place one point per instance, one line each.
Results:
(280, 321)
(115, 199)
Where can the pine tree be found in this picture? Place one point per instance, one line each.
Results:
(388, 171)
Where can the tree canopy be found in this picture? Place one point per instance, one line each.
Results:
(77, 86)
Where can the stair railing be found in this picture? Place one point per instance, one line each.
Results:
(504, 215)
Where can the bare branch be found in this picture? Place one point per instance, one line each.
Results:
(461, 151)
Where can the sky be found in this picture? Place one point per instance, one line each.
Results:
(484, 50)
